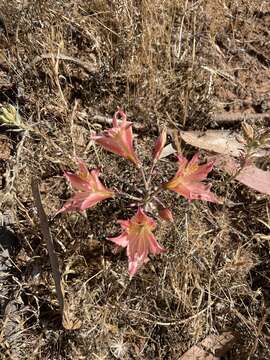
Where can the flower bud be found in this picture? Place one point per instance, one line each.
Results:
(165, 214)
(159, 145)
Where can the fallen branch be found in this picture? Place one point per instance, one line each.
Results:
(225, 117)
(218, 118)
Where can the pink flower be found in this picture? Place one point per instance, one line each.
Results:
(119, 139)
(188, 180)
(165, 214)
(139, 240)
(88, 189)
(160, 143)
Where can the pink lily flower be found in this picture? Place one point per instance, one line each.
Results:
(139, 240)
(88, 189)
(119, 139)
(188, 180)
(159, 145)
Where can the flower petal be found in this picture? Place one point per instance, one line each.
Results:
(154, 246)
(83, 170)
(202, 172)
(197, 191)
(77, 182)
(142, 218)
(94, 198)
(135, 264)
(120, 240)
(124, 223)
(74, 203)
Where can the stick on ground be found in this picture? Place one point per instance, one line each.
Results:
(45, 230)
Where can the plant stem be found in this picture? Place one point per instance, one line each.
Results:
(140, 168)
(151, 196)
(129, 196)
(159, 201)
(151, 172)
(242, 165)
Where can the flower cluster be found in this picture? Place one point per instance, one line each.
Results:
(137, 236)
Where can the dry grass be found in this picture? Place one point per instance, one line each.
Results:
(166, 62)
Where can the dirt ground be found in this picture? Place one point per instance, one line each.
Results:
(67, 66)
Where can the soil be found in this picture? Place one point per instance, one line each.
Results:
(67, 66)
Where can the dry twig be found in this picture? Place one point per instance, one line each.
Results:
(225, 117)
(89, 68)
(69, 322)
(44, 227)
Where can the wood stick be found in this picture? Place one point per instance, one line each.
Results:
(225, 117)
(45, 230)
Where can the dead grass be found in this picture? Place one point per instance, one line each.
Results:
(166, 62)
